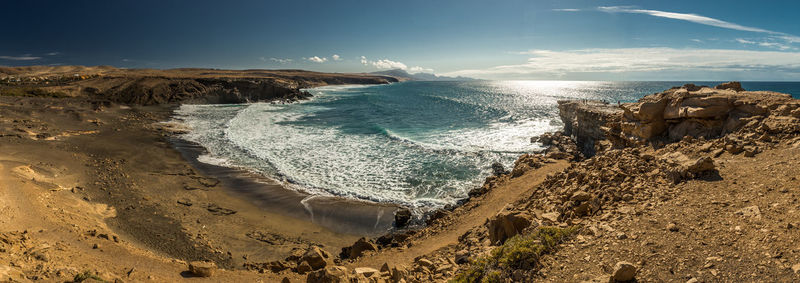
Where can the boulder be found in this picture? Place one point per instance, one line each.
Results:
(303, 268)
(331, 274)
(506, 224)
(700, 165)
(202, 268)
(316, 258)
(358, 249)
(623, 272)
(401, 217)
(736, 86)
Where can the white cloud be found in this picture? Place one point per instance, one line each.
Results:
(703, 20)
(684, 17)
(744, 41)
(418, 69)
(20, 58)
(336, 57)
(655, 61)
(278, 60)
(696, 40)
(316, 59)
(776, 45)
(567, 10)
(52, 53)
(388, 64)
(769, 44)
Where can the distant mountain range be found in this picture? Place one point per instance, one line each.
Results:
(405, 76)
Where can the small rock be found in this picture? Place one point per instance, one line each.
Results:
(462, 256)
(425, 262)
(185, 201)
(202, 268)
(329, 275)
(316, 258)
(621, 236)
(672, 227)
(551, 216)
(692, 280)
(623, 271)
(796, 268)
(750, 151)
(581, 196)
(366, 271)
(750, 211)
(286, 280)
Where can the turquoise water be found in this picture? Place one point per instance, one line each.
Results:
(422, 144)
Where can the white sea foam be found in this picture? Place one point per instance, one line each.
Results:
(423, 170)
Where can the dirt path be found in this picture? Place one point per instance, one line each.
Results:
(465, 218)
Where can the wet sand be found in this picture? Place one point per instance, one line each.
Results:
(338, 214)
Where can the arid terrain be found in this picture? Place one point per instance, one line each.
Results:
(694, 184)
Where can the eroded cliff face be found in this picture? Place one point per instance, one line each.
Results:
(588, 121)
(160, 90)
(694, 111)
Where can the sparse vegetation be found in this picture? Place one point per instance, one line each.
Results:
(31, 91)
(80, 277)
(519, 252)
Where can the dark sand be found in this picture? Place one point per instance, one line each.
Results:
(338, 214)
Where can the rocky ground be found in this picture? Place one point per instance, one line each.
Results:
(694, 184)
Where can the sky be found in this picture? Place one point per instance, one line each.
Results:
(540, 40)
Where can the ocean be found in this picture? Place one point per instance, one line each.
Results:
(418, 144)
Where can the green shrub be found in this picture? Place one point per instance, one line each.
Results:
(519, 252)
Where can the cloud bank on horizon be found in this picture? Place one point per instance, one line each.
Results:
(635, 63)
(639, 63)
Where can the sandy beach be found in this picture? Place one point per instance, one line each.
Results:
(67, 156)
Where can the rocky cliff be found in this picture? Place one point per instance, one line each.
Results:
(695, 111)
(149, 87)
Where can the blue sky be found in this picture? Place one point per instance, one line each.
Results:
(569, 40)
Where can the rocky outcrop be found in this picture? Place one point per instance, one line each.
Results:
(689, 110)
(506, 224)
(704, 112)
(587, 121)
